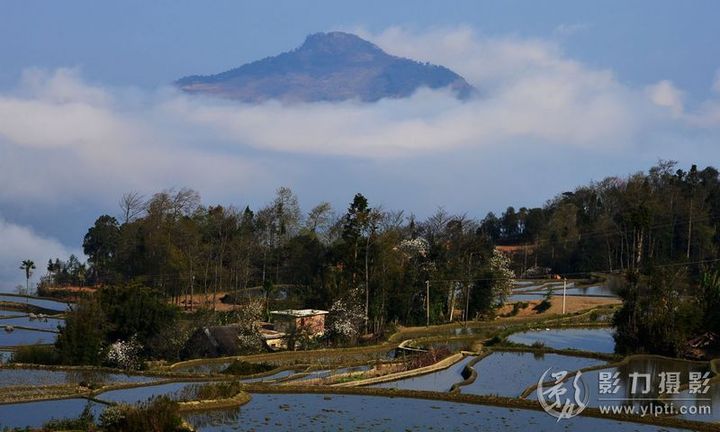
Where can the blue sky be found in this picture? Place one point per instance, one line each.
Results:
(146, 44)
(573, 92)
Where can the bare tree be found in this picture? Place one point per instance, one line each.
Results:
(185, 202)
(132, 205)
(320, 218)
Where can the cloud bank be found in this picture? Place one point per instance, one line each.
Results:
(66, 140)
(20, 243)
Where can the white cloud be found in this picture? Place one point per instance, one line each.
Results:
(716, 82)
(60, 86)
(665, 94)
(706, 115)
(20, 243)
(61, 139)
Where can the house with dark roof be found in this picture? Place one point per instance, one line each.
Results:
(217, 341)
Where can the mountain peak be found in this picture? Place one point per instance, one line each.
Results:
(330, 66)
(337, 42)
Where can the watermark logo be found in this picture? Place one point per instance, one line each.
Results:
(561, 396)
(564, 394)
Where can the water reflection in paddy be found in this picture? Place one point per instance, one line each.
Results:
(584, 339)
(25, 337)
(35, 414)
(509, 373)
(574, 292)
(54, 305)
(25, 321)
(275, 376)
(38, 377)
(139, 394)
(595, 290)
(440, 381)
(311, 412)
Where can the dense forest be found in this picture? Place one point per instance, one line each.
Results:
(658, 229)
(179, 247)
(667, 215)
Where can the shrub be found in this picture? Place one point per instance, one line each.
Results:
(495, 340)
(211, 391)
(545, 304)
(35, 354)
(542, 306)
(156, 415)
(81, 341)
(84, 422)
(517, 307)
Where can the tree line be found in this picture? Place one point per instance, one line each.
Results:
(617, 224)
(369, 256)
(379, 262)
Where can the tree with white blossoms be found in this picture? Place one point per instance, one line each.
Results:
(245, 317)
(502, 276)
(493, 286)
(417, 247)
(125, 354)
(346, 316)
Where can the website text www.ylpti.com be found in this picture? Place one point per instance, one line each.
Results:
(656, 409)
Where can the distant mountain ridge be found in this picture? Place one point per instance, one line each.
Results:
(331, 66)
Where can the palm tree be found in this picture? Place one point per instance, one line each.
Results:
(28, 266)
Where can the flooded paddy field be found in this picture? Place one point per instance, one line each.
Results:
(537, 286)
(494, 378)
(38, 377)
(35, 323)
(594, 290)
(584, 339)
(526, 296)
(53, 305)
(317, 412)
(501, 373)
(19, 336)
(35, 414)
